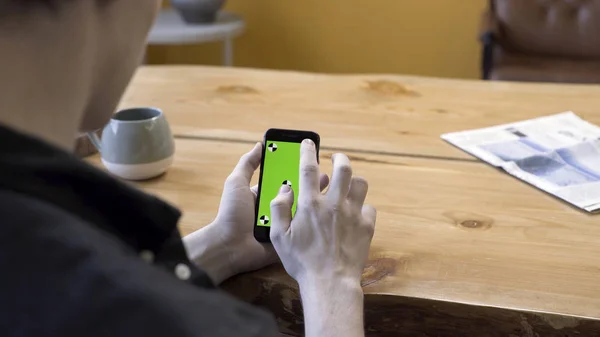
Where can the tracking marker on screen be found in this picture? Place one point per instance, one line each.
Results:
(264, 220)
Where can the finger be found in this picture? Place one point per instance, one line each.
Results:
(358, 191)
(281, 211)
(323, 181)
(369, 213)
(248, 163)
(341, 177)
(309, 170)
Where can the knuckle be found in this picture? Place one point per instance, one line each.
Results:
(370, 228)
(233, 180)
(311, 203)
(345, 168)
(310, 169)
(244, 159)
(373, 211)
(360, 181)
(278, 202)
(275, 237)
(275, 233)
(336, 208)
(248, 161)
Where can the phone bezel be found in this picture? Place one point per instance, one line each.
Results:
(261, 233)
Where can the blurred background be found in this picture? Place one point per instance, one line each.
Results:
(515, 40)
(422, 37)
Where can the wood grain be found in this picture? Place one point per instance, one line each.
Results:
(378, 113)
(456, 244)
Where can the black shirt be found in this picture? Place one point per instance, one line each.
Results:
(83, 254)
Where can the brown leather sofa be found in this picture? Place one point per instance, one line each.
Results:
(541, 41)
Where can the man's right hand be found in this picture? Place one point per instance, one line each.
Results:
(329, 237)
(326, 245)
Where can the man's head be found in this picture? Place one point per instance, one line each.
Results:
(78, 53)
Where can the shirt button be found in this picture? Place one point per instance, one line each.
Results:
(147, 256)
(183, 272)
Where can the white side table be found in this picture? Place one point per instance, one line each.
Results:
(170, 29)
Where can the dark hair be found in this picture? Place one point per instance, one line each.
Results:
(13, 9)
(29, 3)
(10, 8)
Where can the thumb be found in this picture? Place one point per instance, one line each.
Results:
(281, 211)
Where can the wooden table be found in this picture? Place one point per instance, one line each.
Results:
(397, 115)
(460, 248)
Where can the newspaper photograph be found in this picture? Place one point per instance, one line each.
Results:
(559, 154)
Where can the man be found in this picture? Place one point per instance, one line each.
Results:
(82, 254)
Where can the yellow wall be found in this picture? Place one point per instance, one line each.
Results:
(425, 37)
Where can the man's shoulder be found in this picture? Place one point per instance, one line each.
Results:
(63, 274)
(25, 215)
(50, 239)
(84, 254)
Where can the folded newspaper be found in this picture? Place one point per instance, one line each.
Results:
(559, 154)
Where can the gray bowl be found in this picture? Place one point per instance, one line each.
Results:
(198, 11)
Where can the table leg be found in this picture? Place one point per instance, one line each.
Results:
(228, 52)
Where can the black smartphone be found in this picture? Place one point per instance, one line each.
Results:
(280, 165)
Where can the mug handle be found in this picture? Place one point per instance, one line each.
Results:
(95, 140)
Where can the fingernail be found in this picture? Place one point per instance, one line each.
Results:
(308, 142)
(284, 189)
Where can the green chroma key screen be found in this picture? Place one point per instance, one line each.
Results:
(281, 166)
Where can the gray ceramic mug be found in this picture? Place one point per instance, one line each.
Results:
(136, 144)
